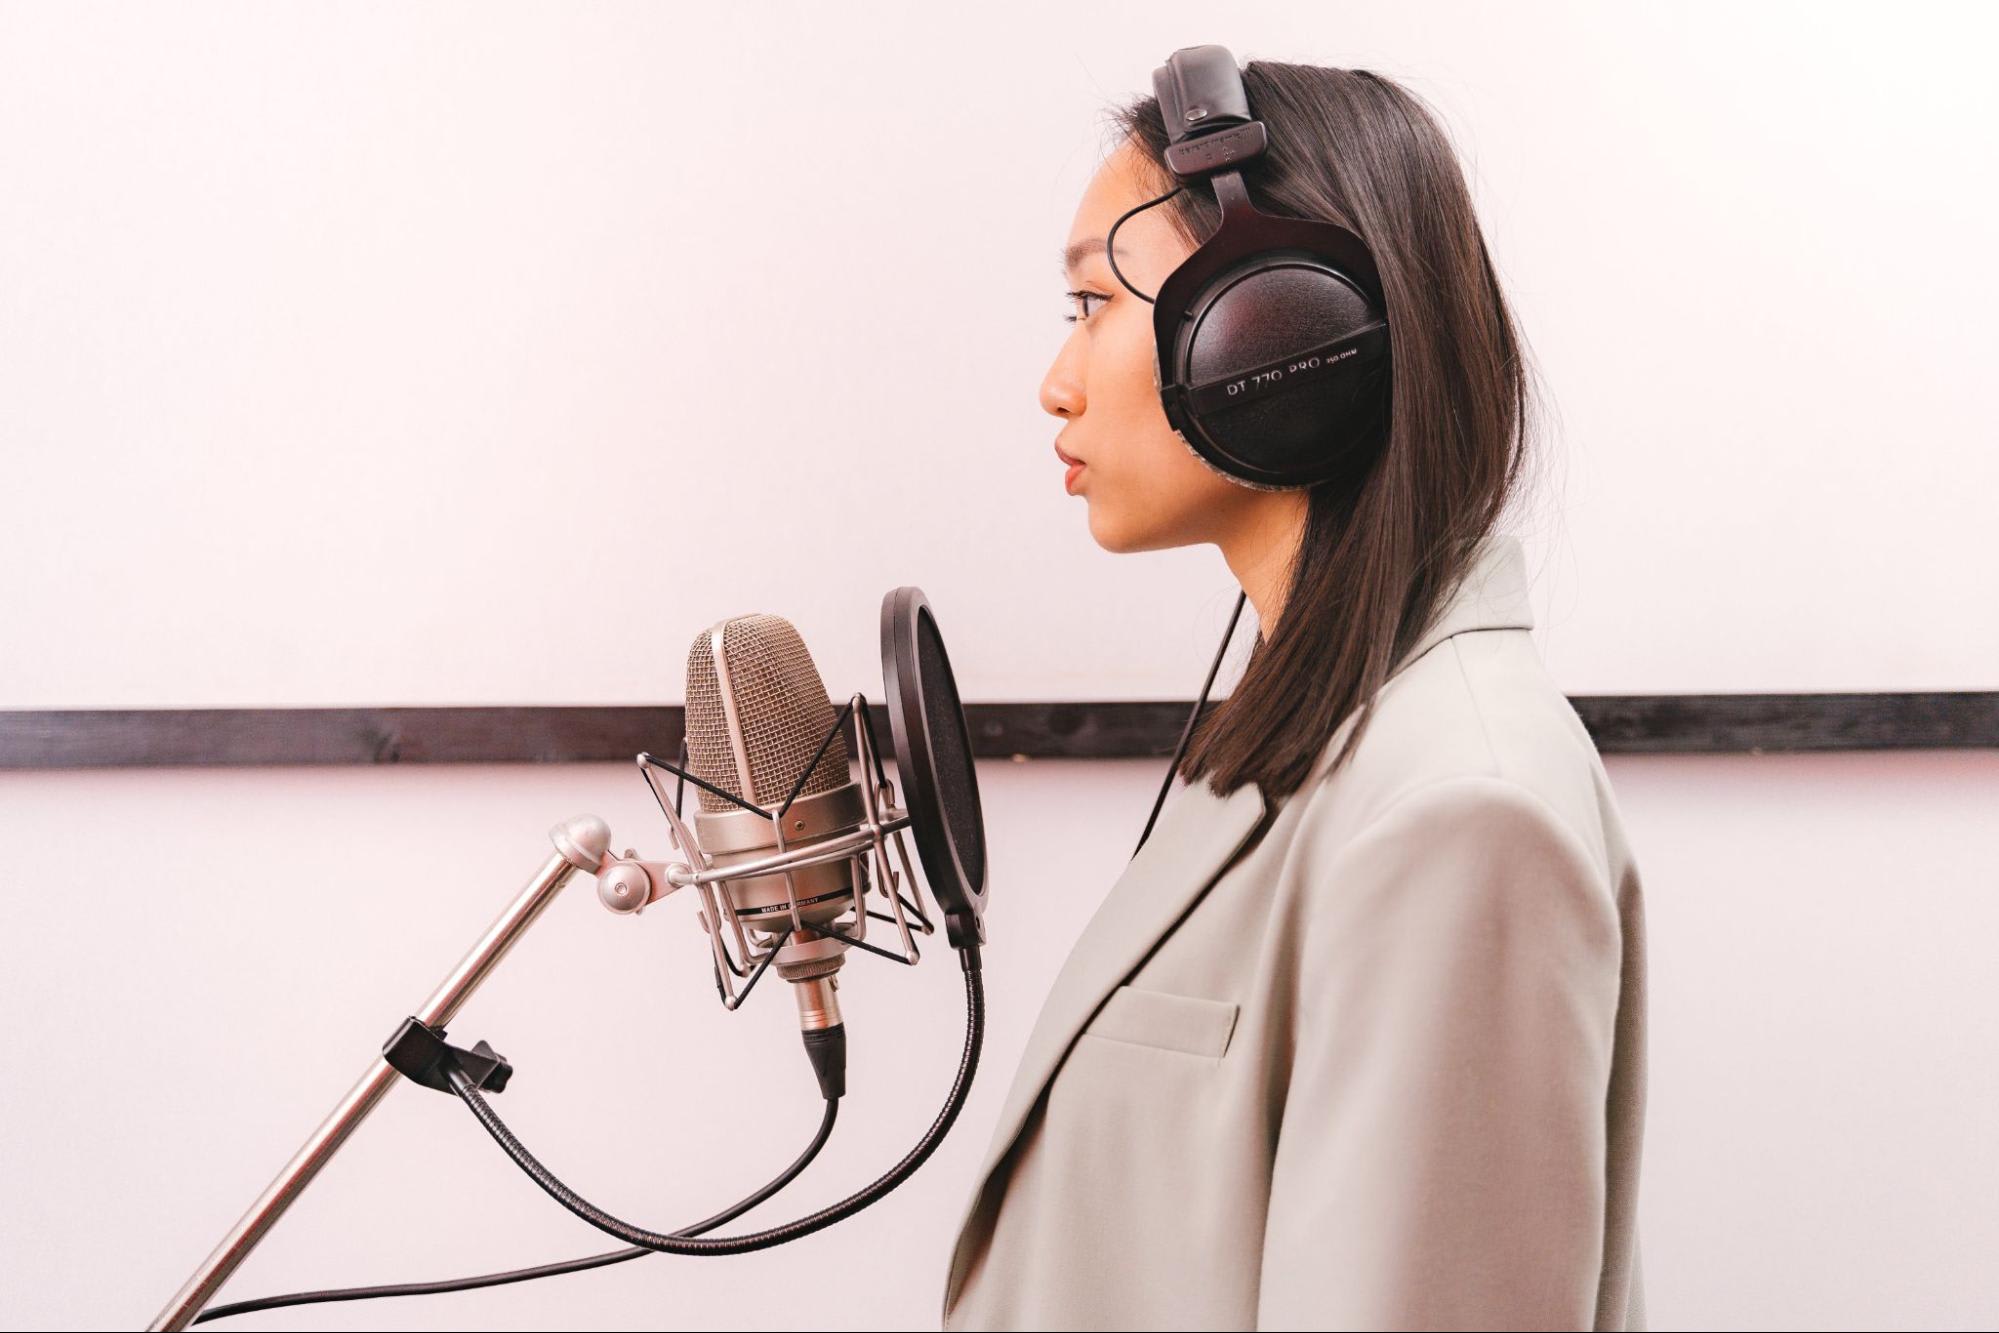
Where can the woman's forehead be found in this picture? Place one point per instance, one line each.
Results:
(1119, 182)
(1118, 185)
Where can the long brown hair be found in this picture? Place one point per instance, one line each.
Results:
(1377, 558)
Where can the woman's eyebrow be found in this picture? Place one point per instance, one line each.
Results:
(1076, 252)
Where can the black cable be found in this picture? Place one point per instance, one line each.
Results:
(728, 1214)
(1110, 241)
(1188, 730)
(968, 1065)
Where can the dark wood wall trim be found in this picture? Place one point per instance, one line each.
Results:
(1620, 724)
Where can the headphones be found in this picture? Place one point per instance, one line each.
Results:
(1273, 348)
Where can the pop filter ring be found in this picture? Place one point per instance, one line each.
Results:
(914, 718)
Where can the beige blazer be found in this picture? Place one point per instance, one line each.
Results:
(1373, 1058)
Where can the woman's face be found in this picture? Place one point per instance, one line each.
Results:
(1145, 488)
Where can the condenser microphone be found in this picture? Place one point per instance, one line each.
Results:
(760, 727)
(787, 848)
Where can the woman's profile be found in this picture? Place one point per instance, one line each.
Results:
(1357, 1039)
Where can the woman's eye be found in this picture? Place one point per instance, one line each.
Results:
(1082, 300)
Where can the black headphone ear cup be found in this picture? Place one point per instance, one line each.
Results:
(1329, 425)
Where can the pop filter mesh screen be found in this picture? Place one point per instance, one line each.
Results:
(950, 748)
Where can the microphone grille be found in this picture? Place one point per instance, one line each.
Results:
(756, 668)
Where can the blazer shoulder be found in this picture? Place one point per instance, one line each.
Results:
(1481, 704)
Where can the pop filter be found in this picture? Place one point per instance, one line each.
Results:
(933, 756)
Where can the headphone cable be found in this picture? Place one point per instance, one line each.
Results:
(1194, 713)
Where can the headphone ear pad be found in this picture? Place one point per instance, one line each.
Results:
(1260, 312)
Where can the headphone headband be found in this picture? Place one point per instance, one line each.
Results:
(1206, 112)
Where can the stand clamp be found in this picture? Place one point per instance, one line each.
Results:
(420, 1053)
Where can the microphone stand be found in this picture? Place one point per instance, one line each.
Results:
(625, 885)
(580, 844)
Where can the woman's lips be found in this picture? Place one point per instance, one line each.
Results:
(1075, 470)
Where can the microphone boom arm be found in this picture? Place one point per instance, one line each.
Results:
(581, 844)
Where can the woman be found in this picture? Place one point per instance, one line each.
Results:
(1357, 1040)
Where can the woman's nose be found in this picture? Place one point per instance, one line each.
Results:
(1062, 387)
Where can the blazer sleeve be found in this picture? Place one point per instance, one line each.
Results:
(1440, 1160)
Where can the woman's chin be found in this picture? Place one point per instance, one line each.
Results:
(1120, 537)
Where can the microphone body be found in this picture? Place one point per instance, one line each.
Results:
(760, 727)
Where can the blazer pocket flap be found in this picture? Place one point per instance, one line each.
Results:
(1190, 1023)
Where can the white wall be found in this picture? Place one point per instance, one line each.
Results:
(447, 354)
(351, 355)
